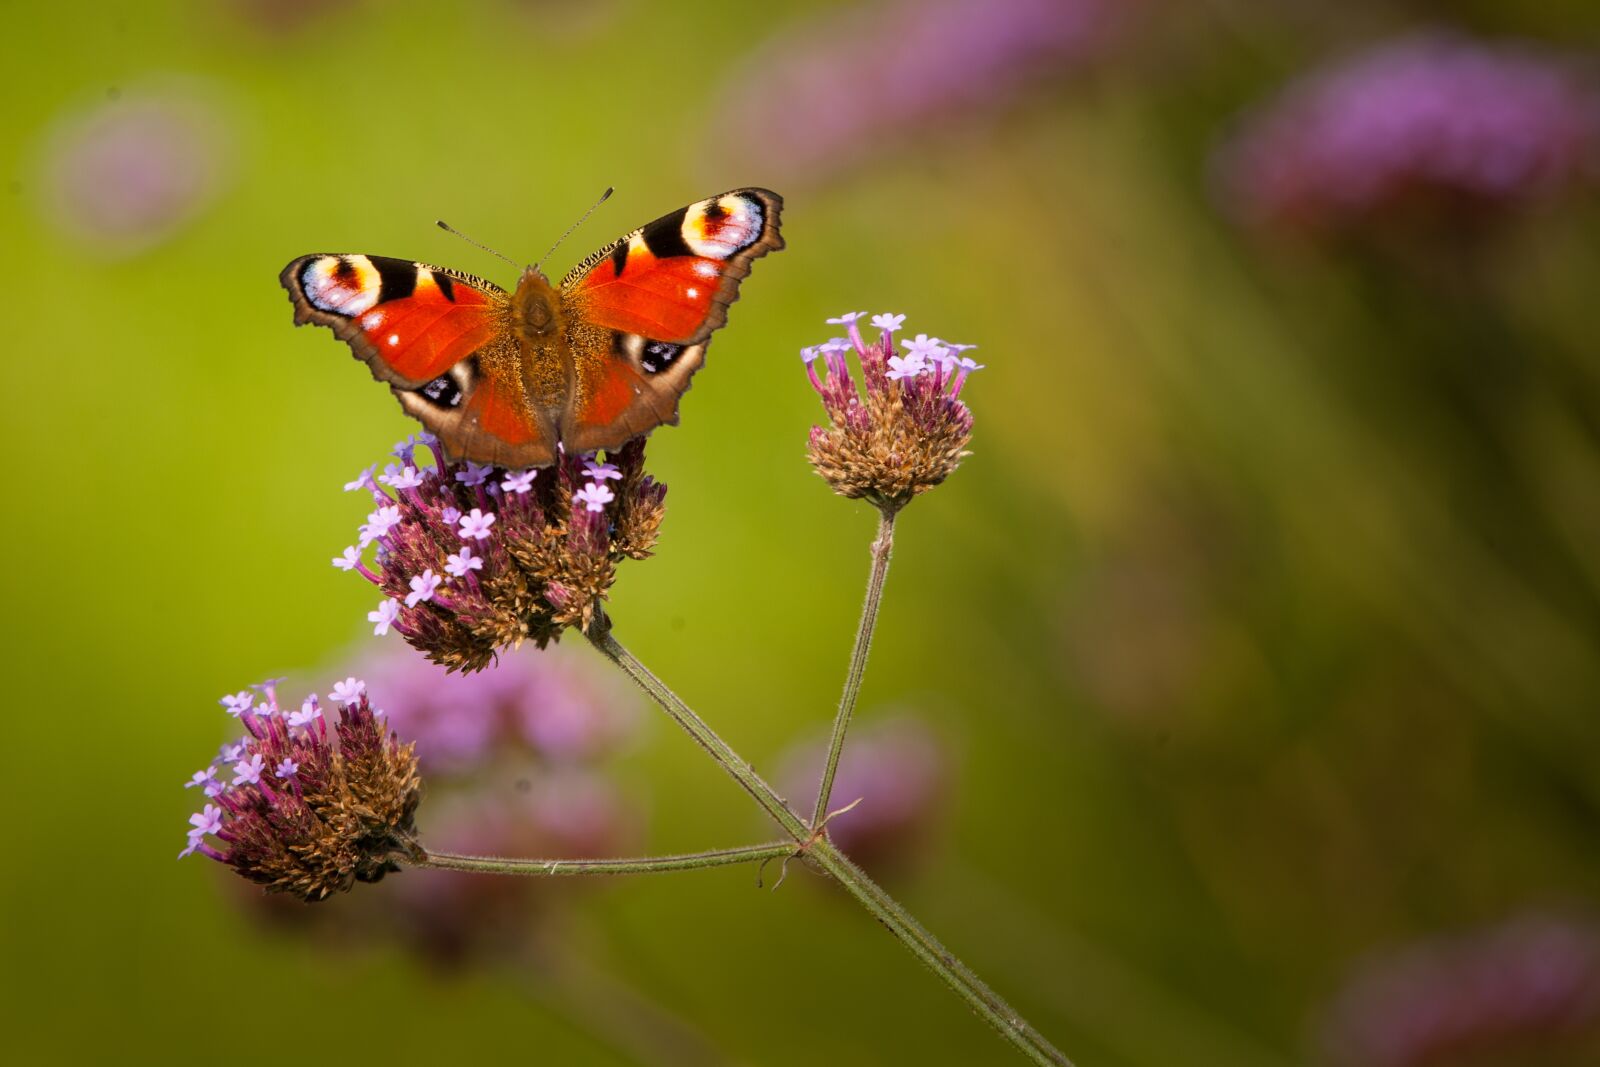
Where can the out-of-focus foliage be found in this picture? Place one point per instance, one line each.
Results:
(1261, 631)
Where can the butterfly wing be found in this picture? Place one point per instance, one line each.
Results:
(641, 312)
(440, 341)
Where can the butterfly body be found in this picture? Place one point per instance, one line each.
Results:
(510, 378)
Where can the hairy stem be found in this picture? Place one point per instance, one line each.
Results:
(688, 861)
(881, 549)
(968, 986)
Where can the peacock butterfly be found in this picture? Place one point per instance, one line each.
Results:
(508, 378)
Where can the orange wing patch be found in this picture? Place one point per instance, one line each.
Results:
(673, 279)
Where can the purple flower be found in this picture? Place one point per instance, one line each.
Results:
(230, 753)
(206, 821)
(384, 616)
(888, 323)
(601, 472)
(406, 478)
(350, 560)
(1518, 993)
(519, 481)
(312, 811)
(473, 474)
(897, 769)
(555, 707)
(809, 354)
(905, 367)
(247, 771)
(348, 691)
(362, 481)
(309, 712)
(847, 319)
(459, 564)
(126, 174)
(533, 565)
(201, 778)
(594, 496)
(873, 76)
(423, 586)
(238, 703)
(475, 525)
(1427, 121)
(380, 522)
(902, 430)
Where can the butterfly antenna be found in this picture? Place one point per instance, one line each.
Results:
(603, 198)
(447, 228)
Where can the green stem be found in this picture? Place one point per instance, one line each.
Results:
(881, 549)
(599, 635)
(968, 986)
(688, 861)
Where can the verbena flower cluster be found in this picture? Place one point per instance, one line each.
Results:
(515, 759)
(1425, 123)
(472, 559)
(903, 429)
(303, 809)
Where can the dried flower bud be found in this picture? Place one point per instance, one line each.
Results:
(904, 429)
(473, 559)
(308, 811)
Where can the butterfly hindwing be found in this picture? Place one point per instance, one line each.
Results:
(649, 303)
(438, 339)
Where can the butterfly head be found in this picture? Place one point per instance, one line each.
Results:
(536, 307)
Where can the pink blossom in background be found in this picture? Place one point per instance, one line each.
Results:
(548, 703)
(1506, 994)
(1425, 121)
(131, 171)
(899, 771)
(829, 91)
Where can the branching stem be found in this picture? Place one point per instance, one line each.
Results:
(815, 845)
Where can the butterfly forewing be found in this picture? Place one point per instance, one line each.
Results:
(650, 302)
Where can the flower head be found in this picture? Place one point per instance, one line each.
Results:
(312, 811)
(1429, 125)
(470, 564)
(899, 432)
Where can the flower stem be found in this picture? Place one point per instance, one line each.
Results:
(881, 549)
(774, 805)
(827, 856)
(688, 861)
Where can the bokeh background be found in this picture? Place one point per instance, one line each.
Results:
(1234, 704)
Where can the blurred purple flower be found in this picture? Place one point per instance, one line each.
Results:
(548, 705)
(1429, 121)
(1532, 983)
(898, 770)
(825, 93)
(127, 173)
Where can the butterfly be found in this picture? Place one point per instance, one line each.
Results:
(510, 379)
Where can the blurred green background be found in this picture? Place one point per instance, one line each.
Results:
(1260, 628)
